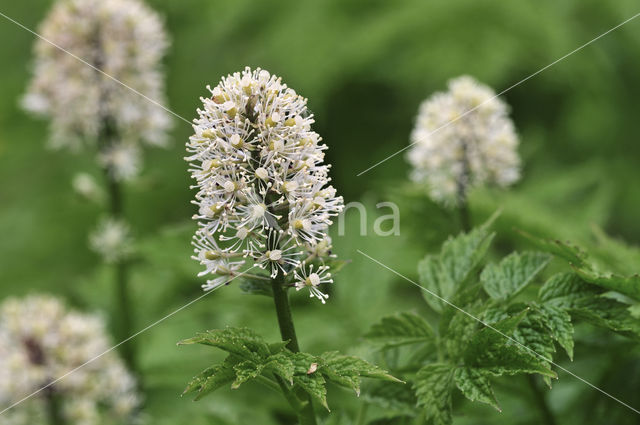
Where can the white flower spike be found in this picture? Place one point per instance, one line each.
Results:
(126, 40)
(479, 147)
(263, 191)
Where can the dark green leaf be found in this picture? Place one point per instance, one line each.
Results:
(347, 370)
(475, 385)
(629, 285)
(565, 250)
(242, 342)
(310, 380)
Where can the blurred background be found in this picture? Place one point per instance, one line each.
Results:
(365, 67)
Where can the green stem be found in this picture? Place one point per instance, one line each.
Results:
(306, 414)
(538, 395)
(465, 220)
(53, 407)
(124, 320)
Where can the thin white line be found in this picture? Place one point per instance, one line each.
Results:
(122, 342)
(500, 332)
(501, 93)
(95, 68)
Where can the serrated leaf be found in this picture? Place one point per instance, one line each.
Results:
(256, 287)
(282, 365)
(494, 350)
(443, 274)
(585, 301)
(461, 328)
(245, 371)
(347, 370)
(433, 385)
(514, 273)
(627, 285)
(475, 385)
(242, 342)
(314, 383)
(210, 380)
(566, 250)
(566, 290)
(559, 322)
(400, 329)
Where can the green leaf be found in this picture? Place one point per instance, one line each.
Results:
(310, 380)
(475, 385)
(433, 385)
(245, 371)
(347, 370)
(513, 274)
(566, 290)
(281, 364)
(400, 329)
(461, 328)
(566, 250)
(494, 350)
(559, 322)
(582, 300)
(242, 342)
(256, 287)
(443, 274)
(629, 285)
(210, 380)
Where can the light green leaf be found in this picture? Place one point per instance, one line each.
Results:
(400, 329)
(566, 290)
(513, 274)
(475, 385)
(443, 274)
(433, 385)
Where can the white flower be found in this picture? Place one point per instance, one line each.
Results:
(312, 280)
(40, 341)
(123, 38)
(112, 240)
(454, 149)
(263, 190)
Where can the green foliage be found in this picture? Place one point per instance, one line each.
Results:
(444, 274)
(513, 274)
(252, 358)
(486, 330)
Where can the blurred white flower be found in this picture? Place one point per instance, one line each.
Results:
(479, 147)
(263, 190)
(112, 240)
(40, 341)
(85, 185)
(122, 161)
(123, 38)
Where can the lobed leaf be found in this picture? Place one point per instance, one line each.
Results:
(513, 274)
(445, 273)
(475, 385)
(433, 384)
